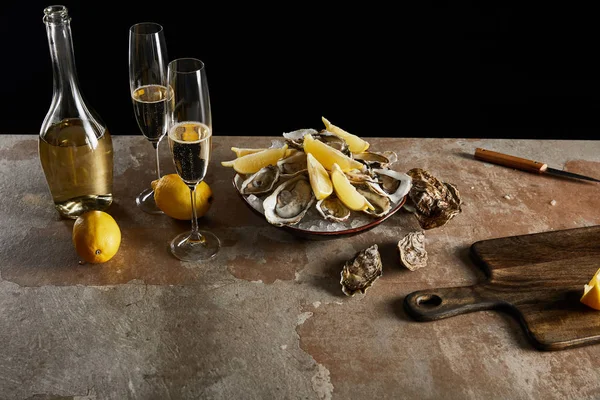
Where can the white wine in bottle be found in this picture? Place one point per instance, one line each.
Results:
(78, 170)
(75, 148)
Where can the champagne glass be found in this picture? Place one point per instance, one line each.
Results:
(148, 84)
(190, 140)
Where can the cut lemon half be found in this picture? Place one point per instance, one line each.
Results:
(346, 192)
(355, 144)
(241, 152)
(328, 156)
(254, 162)
(319, 178)
(591, 292)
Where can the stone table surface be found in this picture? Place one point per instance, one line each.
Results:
(267, 318)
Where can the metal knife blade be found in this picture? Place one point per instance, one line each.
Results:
(565, 174)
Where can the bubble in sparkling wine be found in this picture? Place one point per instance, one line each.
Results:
(190, 144)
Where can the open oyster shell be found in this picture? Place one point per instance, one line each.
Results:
(356, 176)
(292, 165)
(434, 202)
(333, 140)
(372, 159)
(295, 139)
(260, 182)
(376, 197)
(411, 249)
(288, 204)
(331, 208)
(395, 184)
(360, 272)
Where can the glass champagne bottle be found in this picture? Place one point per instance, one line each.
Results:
(75, 148)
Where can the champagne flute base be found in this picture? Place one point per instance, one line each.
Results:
(201, 247)
(145, 202)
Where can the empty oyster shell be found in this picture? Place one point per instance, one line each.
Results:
(360, 272)
(288, 204)
(395, 184)
(412, 251)
(292, 165)
(260, 182)
(332, 209)
(435, 202)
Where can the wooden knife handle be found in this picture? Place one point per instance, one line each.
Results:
(429, 305)
(509, 161)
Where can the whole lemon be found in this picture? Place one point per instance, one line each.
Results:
(96, 236)
(172, 196)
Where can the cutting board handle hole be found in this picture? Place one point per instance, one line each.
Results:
(429, 300)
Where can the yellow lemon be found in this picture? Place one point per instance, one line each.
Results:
(591, 292)
(251, 163)
(346, 192)
(173, 197)
(319, 178)
(355, 144)
(96, 236)
(240, 152)
(328, 156)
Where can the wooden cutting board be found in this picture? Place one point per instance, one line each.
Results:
(539, 278)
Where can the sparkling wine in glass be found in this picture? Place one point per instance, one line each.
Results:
(148, 83)
(190, 140)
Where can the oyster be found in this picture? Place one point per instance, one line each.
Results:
(333, 140)
(376, 197)
(295, 139)
(359, 273)
(288, 204)
(412, 251)
(358, 176)
(260, 182)
(435, 202)
(373, 160)
(292, 165)
(395, 184)
(332, 209)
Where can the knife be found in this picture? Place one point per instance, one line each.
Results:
(525, 165)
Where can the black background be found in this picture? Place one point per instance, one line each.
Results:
(434, 70)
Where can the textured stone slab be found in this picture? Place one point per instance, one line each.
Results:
(267, 318)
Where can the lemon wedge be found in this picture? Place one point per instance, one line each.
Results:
(319, 178)
(346, 192)
(355, 144)
(253, 162)
(241, 152)
(591, 292)
(328, 156)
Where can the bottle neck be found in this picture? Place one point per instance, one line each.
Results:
(63, 60)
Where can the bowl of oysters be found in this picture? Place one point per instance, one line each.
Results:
(320, 184)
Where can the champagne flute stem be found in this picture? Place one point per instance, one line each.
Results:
(155, 144)
(195, 235)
